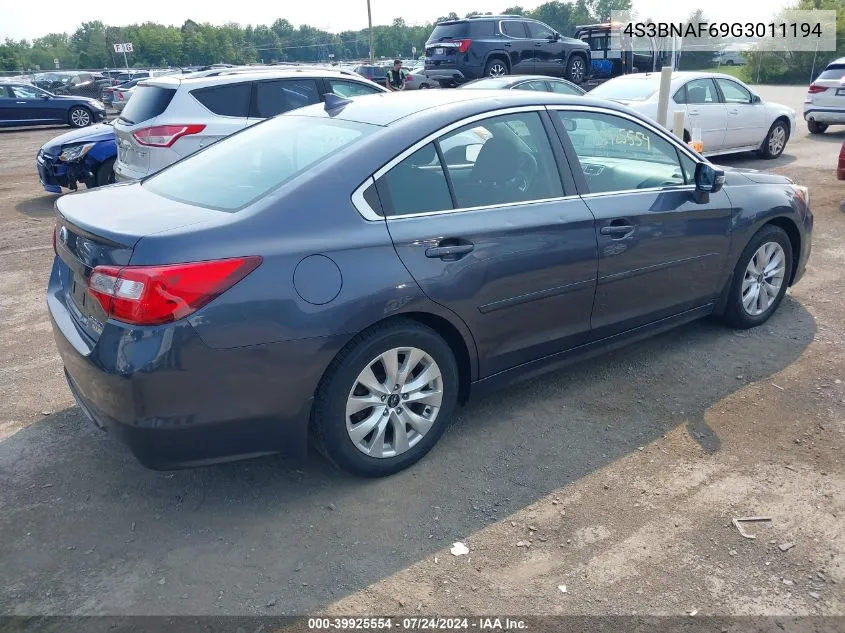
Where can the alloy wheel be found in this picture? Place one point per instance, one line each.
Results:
(777, 140)
(394, 402)
(80, 117)
(763, 278)
(577, 72)
(498, 70)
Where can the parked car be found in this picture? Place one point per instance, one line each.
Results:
(172, 116)
(374, 72)
(84, 156)
(25, 104)
(536, 82)
(731, 117)
(418, 79)
(77, 83)
(840, 167)
(491, 46)
(206, 313)
(825, 102)
(122, 93)
(730, 57)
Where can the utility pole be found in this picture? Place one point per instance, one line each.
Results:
(370, 20)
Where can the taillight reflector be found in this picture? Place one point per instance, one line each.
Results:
(151, 295)
(165, 135)
(464, 45)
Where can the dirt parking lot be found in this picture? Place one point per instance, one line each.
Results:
(617, 478)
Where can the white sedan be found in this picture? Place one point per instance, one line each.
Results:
(730, 116)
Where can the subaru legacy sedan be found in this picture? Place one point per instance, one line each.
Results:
(352, 271)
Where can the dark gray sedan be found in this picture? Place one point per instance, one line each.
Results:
(355, 270)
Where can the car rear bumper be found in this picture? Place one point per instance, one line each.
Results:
(177, 402)
(824, 115)
(451, 75)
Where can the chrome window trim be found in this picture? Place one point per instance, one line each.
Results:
(505, 205)
(360, 203)
(368, 213)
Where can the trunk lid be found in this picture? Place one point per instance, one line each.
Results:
(101, 228)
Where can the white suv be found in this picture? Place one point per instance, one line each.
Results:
(170, 117)
(825, 101)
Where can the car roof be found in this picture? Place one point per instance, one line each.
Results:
(678, 76)
(236, 75)
(388, 108)
(837, 62)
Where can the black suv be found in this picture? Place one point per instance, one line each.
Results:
(491, 46)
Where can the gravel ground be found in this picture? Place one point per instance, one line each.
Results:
(617, 478)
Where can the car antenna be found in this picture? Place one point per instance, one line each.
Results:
(334, 102)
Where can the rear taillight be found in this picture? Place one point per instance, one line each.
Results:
(151, 295)
(120, 96)
(165, 135)
(409, 78)
(463, 45)
(815, 88)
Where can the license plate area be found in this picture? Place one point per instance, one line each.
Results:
(439, 51)
(840, 92)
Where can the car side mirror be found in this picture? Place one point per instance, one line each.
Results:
(755, 99)
(708, 179)
(45, 97)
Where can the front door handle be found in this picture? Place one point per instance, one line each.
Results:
(617, 229)
(734, 111)
(507, 44)
(695, 112)
(449, 253)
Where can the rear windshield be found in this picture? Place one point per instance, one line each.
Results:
(244, 167)
(625, 90)
(451, 31)
(488, 84)
(147, 102)
(834, 71)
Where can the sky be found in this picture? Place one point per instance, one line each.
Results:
(28, 20)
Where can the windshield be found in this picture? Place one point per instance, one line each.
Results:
(246, 166)
(626, 89)
(148, 102)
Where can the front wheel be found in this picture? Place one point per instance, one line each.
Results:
(105, 173)
(386, 399)
(815, 127)
(495, 68)
(576, 69)
(775, 141)
(760, 278)
(79, 117)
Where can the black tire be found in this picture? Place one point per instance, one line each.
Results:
(80, 116)
(329, 414)
(576, 69)
(424, 86)
(781, 129)
(105, 174)
(815, 127)
(735, 313)
(496, 67)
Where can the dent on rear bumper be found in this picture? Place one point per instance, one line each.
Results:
(176, 402)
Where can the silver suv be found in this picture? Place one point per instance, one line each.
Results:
(170, 117)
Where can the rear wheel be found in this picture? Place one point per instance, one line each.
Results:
(815, 127)
(576, 69)
(79, 116)
(495, 68)
(760, 278)
(386, 399)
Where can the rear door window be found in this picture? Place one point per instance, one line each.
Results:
(146, 103)
(350, 88)
(275, 97)
(513, 28)
(228, 100)
(416, 185)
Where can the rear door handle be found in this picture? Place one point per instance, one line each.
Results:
(695, 112)
(507, 45)
(734, 111)
(21, 102)
(449, 253)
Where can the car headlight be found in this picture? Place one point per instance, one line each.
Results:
(803, 193)
(75, 152)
